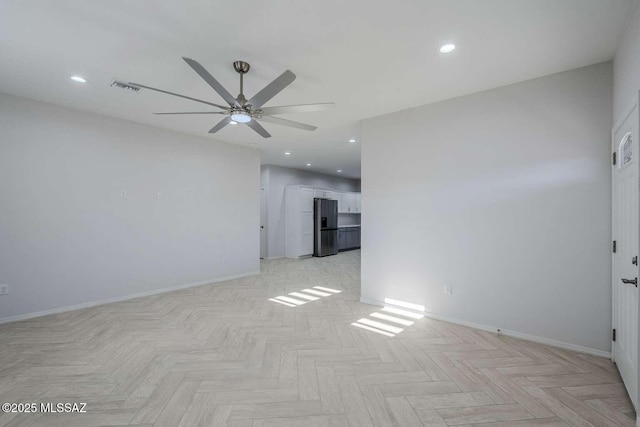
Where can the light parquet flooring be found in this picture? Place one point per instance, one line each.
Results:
(224, 355)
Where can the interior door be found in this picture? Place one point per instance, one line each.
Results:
(263, 224)
(625, 262)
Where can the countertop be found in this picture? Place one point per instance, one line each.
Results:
(348, 226)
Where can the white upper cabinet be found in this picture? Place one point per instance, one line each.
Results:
(323, 194)
(340, 202)
(349, 203)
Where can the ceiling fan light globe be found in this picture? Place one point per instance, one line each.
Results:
(240, 117)
(447, 48)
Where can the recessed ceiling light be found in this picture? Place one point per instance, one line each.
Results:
(352, 140)
(286, 153)
(447, 48)
(233, 123)
(78, 79)
(339, 170)
(308, 164)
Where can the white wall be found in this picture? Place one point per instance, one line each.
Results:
(626, 66)
(503, 194)
(275, 179)
(66, 235)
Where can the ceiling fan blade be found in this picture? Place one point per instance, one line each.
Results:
(288, 123)
(305, 108)
(272, 89)
(258, 128)
(178, 95)
(194, 112)
(212, 81)
(220, 125)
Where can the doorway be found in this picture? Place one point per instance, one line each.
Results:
(263, 224)
(626, 191)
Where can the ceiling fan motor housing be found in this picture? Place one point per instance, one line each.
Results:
(241, 67)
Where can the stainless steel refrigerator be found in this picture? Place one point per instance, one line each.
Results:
(325, 227)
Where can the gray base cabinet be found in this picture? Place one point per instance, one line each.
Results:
(342, 239)
(348, 238)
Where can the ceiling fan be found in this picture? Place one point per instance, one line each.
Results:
(241, 110)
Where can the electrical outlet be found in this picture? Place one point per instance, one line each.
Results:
(448, 289)
(123, 194)
(4, 289)
(160, 195)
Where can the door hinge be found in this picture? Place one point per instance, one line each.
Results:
(614, 157)
(615, 246)
(613, 335)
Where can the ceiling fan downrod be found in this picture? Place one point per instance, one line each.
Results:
(241, 68)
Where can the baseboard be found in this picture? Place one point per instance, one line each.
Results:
(122, 298)
(507, 332)
(274, 257)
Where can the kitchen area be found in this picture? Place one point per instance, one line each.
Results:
(287, 210)
(321, 221)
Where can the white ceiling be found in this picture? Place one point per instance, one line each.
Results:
(370, 57)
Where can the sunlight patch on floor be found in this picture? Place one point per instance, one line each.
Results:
(304, 296)
(387, 324)
(369, 328)
(282, 302)
(380, 325)
(392, 319)
(402, 312)
(409, 305)
(322, 288)
(316, 292)
(290, 300)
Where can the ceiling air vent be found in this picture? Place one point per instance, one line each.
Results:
(126, 86)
